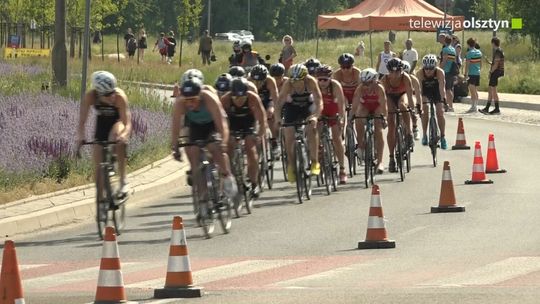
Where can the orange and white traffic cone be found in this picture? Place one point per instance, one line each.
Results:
(492, 164)
(10, 280)
(447, 199)
(376, 236)
(461, 142)
(110, 287)
(478, 174)
(179, 280)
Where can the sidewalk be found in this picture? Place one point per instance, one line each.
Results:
(507, 100)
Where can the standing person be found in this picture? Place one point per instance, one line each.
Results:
(171, 47)
(359, 51)
(410, 55)
(451, 70)
(287, 52)
(130, 43)
(457, 47)
(473, 65)
(143, 44)
(383, 58)
(162, 44)
(205, 48)
(496, 71)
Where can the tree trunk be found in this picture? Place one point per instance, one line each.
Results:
(72, 43)
(59, 51)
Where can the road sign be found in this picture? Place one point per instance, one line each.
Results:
(12, 53)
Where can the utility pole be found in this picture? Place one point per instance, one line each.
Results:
(249, 15)
(86, 41)
(209, 15)
(494, 15)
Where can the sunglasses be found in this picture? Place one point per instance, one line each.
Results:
(323, 79)
(108, 94)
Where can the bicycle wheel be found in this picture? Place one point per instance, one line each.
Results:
(119, 216)
(263, 166)
(350, 151)
(433, 139)
(368, 159)
(248, 200)
(284, 163)
(326, 172)
(334, 166)
(269, 165)
(299, 170)
(400, 152)
(206, 210)
(222, 206)
(307, 172)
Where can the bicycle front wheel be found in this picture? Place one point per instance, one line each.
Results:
(433, 139)
(284, 163)
(102, 206)
(299, 170)
(400, 146)
(368, 159)
(327, 166)
(351, 151)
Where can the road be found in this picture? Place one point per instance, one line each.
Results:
(290, 253)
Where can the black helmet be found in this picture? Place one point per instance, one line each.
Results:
(346, 59)
(259, 72)
(223, 82)
(239, 86)
(394, 64)
(191, 87)
(237, 71)
(312, 64)
(277, 69)
(246, 45)
(324, 70)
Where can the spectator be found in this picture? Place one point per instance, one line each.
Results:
(457, 47)
(205, 48)
(130, 43)
(287, 52)
(410, 55)
(171, 47)
(451, 70)
(473, 64)
(359, 51)
(143, 44)
(161, 44)
(383, 58)
(496, 71)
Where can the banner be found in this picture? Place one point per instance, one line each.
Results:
(17, 53)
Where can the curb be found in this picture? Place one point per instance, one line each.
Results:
(507, 104)
(85, 208)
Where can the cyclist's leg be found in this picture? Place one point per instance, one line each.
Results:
(425, 115)
(406, 115)
(252, 160)
(97, 156)
(313, 141)
(379, 139)
(391, 135)
(338, 146)
(360, 126)
(120, 153)
(290, 115)
(440, 117)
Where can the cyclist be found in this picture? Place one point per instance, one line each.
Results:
(398, 88)
(238, 71)
(267, 89)
(417, 95)
(250, 58)
(277, 71)
(348, 75)
(333, 107)
(370, 99)
(191, 73)
(433, 88)
(236, 57)
(204, 114)
(113, 122)
(223, 84)
(301, 100)
(312, 64)
(244, 108)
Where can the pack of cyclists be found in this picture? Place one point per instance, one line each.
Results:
(258, 103)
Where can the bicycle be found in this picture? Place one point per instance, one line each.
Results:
(329, 163)
(113, 203)
(266, 161)
(302, 166)
(284, 163)
(238, 166)
(402, 151)
(350, 144)
(208, 197)
(433, 131)
(370, 152)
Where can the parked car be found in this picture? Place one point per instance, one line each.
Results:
(234, 35)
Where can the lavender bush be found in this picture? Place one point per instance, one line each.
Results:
(36, 131)
(7, 70)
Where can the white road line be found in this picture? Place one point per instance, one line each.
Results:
(414, 230)
(25, 267)
(492, 273)
(221, 272)
(162, 301)
(321, 278)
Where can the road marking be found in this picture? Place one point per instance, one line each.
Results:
(414, 230)
(25, 267)
(492, 273)
(162, 301)
(222, 272)
(310, 281)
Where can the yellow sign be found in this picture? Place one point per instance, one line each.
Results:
(10, 53)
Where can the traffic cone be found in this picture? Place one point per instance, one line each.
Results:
(10, 281)
(447, 199)
(478, 174)
(110, 287)
(461, 142)
(376, 236)
(492, 164)
(179, 280)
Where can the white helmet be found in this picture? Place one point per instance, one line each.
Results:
(103, 82)
(406, 67)
(368, 74)
(191, 73)
(429, 61)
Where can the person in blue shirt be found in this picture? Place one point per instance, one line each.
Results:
(449, 65)
(473, 64)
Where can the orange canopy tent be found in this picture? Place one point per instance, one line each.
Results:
(398, 15)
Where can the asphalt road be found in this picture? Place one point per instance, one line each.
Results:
(290, 253)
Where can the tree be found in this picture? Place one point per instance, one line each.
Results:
(59, 52)
(531, 21)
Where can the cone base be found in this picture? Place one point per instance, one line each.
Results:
(485, 181)
(496, 171)
(376, 244)
(186, 292)
(452, 208)
(461, 148)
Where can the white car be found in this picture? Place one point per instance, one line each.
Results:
(236, 35)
